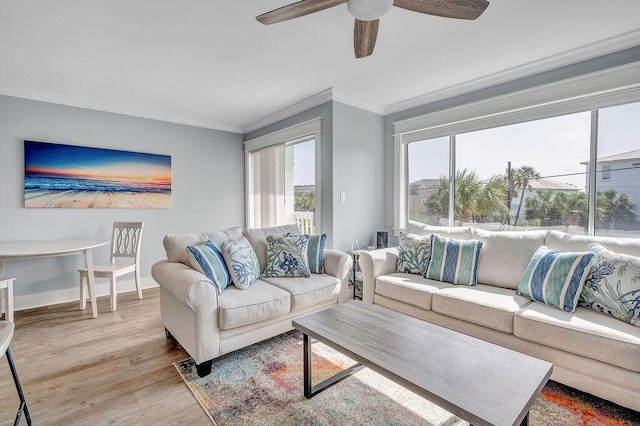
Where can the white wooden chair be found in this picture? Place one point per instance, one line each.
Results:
(125, 243)
(6, 334)
(6, 293)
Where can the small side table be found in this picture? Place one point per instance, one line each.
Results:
(356, 274)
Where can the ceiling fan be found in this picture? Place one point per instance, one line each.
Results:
(369, 12)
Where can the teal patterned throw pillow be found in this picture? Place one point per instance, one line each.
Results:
(287, 257)
(613, 285)
(315, 252)
(556, 278)
(453, 261)
(413, 253)
(241, 261)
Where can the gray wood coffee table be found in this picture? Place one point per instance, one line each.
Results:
(478, 381)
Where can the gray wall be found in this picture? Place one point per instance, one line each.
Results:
(605, 62)
(207, 185)
(352, 162)
(358, 164)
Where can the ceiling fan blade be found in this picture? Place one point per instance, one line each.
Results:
(364, 37)
(461, 9)
(295, 10)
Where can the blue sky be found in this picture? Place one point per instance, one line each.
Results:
(554, 146)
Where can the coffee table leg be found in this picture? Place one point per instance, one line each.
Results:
(309, 389)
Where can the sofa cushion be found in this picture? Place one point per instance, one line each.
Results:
(556, 278)
(413, 253)
(505, 255)
(584, 332)
(613, 285)
(408, 288)
(485, 305)
(258, 239)
(176, 244)
(287, 256)
(564, 242)
(241, 307)
(453, 261)
(208, 260)
(241, 261)
(308, 291)
(460, 232)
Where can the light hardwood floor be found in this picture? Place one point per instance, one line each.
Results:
(115, 369)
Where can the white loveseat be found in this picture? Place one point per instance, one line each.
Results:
(207, 325)
(590, 351)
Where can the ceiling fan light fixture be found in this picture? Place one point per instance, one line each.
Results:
(369, 10)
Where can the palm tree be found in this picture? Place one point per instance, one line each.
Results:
(541, 206)
(522, 178)
(491, 202)
(618, 210)
(438, 203)
(473, 198)
(468, 188)
(573, 208)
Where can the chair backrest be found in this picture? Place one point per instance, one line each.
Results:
(126, 240)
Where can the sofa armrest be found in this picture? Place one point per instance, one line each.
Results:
(186, 284)
(374, 264)
(338, 264)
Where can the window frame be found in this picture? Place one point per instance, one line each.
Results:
(307, 130)
(585, 93)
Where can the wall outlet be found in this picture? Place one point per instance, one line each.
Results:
(343, 197)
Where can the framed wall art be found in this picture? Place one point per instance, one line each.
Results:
(68, 176)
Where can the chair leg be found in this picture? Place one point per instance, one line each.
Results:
(114, 294)
(83, 295)
(23, 403)
(138, 283)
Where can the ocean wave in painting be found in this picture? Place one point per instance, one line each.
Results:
(44, 182)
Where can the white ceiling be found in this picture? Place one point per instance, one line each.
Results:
(210, 63)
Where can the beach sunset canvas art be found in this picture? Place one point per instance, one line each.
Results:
(57, 175)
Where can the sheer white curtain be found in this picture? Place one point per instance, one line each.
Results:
(274, 164)
(272, 186)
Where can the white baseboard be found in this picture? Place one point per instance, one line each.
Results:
(29, 301)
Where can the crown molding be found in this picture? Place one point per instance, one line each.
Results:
(298, 107)
(376, 109)
(590, 51)
(115, 109)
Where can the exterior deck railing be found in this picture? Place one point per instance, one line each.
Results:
(305, 221)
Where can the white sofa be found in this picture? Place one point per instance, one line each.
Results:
(590, 351)
(207, 325)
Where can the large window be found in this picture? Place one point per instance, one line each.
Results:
(531, 175)
(428, 189)
(618, 186)
(283, 178)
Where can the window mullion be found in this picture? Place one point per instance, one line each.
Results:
(593, 170)
(452, 179)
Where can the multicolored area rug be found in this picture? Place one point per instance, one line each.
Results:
(262, 385)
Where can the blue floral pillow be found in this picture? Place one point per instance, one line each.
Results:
(287, 257)
(241, 261)
(413, 253)
(613, 285)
